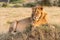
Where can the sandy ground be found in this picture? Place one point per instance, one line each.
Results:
(12, 14)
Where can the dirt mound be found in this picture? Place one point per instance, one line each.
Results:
(44, 32)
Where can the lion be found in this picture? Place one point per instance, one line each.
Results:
(20, 25)
(38, 17)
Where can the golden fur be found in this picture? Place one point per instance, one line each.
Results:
(38, 16)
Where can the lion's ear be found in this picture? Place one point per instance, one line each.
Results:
(41, 8)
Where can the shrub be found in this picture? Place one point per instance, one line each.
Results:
(16, 1)
(4, 5)
(29, 5)
(44, 3)
(17, 5)
(59, 3)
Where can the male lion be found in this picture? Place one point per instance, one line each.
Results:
(38, 18)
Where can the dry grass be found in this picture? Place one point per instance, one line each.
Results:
(39, 33)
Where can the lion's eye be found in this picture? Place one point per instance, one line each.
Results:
(41, 8)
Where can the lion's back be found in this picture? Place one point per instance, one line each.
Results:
(22, 24)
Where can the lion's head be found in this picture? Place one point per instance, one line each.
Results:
(38, 15)
(36, 12)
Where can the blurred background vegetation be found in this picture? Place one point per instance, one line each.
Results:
(29, 3)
